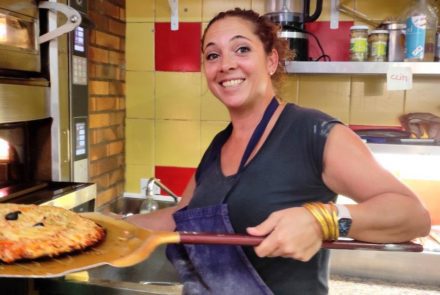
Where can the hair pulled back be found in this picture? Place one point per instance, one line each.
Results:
(267, 32)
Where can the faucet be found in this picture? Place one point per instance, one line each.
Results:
(149, 190)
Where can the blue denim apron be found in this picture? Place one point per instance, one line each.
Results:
(217, 269)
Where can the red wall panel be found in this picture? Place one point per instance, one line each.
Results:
(336, 43)
(177, 51)
(175, 178)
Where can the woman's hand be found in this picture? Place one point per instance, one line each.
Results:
(292, 233)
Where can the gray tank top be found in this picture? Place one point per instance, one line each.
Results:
(285, 172)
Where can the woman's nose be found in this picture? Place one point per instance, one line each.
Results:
(228, 63)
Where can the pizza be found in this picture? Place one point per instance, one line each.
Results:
(31, 232)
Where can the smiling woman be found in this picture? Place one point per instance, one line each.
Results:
(235, 59)
(275, 172)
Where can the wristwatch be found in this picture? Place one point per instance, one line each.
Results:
(344, 220)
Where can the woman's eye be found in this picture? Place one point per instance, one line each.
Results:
(211, 56)
(243, 49)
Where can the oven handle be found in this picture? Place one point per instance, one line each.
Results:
(73, 20)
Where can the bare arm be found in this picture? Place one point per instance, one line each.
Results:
(163, 219)
(387, 210)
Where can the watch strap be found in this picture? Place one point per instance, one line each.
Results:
(343, 211)
(344, 220)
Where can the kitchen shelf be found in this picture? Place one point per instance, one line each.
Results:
(359, 68)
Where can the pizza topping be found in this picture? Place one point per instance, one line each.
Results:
(12, 215)
(31, 231)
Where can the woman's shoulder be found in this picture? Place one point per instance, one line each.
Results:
(310, 115)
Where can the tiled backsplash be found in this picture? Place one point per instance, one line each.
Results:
(172, 117)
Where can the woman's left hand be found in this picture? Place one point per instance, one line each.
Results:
(291, 232)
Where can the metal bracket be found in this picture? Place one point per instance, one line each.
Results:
(174, 6)
(73, 20)
(356, 13)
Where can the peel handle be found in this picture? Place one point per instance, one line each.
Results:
(247, 240)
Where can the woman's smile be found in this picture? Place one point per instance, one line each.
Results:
(232, 83)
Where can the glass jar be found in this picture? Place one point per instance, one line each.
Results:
(358, 43)
(377, 45)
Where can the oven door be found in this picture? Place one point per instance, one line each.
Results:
(20, 39)
(19, 29)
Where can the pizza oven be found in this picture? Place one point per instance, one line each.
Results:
(25, 167)
(41, 101)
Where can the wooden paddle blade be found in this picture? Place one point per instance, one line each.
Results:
(247, 240)
(153, 240)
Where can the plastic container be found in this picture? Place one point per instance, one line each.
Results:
(358, 43)
(421, 26)
(378, 45)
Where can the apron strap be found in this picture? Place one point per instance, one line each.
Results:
(258, 132)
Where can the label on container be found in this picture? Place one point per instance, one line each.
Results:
(379, 48)
(359, 48)
(359, 45)
(415, 36)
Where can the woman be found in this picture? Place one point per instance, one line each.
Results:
(270, 172)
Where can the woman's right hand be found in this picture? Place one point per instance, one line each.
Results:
(291, 232)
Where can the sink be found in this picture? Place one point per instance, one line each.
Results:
(154, 276)
(132, 205)
(152, 273)
(156, 268)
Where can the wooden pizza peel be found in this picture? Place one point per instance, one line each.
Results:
(126, 245)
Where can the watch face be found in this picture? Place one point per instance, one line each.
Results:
(344, 226)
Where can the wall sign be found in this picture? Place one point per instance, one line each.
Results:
(399, 78)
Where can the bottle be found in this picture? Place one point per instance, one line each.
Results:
(377, 45)
(421, 26)
(358, 43)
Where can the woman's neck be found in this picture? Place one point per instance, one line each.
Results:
(245, 119)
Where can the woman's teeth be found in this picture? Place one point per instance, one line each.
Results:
(231, 83)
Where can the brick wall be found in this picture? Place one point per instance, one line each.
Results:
(107, 98)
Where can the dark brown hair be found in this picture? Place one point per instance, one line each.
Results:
(267, 32)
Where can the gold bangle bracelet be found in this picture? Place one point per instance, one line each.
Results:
(335, 219)
(326, 217)
(317, 214)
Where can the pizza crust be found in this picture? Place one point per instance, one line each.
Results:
(31, 232)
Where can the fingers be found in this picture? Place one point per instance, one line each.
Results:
(275, 246)
(290, 233)
(265, 227)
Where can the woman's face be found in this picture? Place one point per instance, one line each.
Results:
(236, 67)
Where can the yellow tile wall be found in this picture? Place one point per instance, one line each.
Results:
(189, 10)
(139, 147)
(140, 46)
(178, 95)
(140, 91)
(177, 143)
(329, 93)
(372, 104)
(172, 117)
